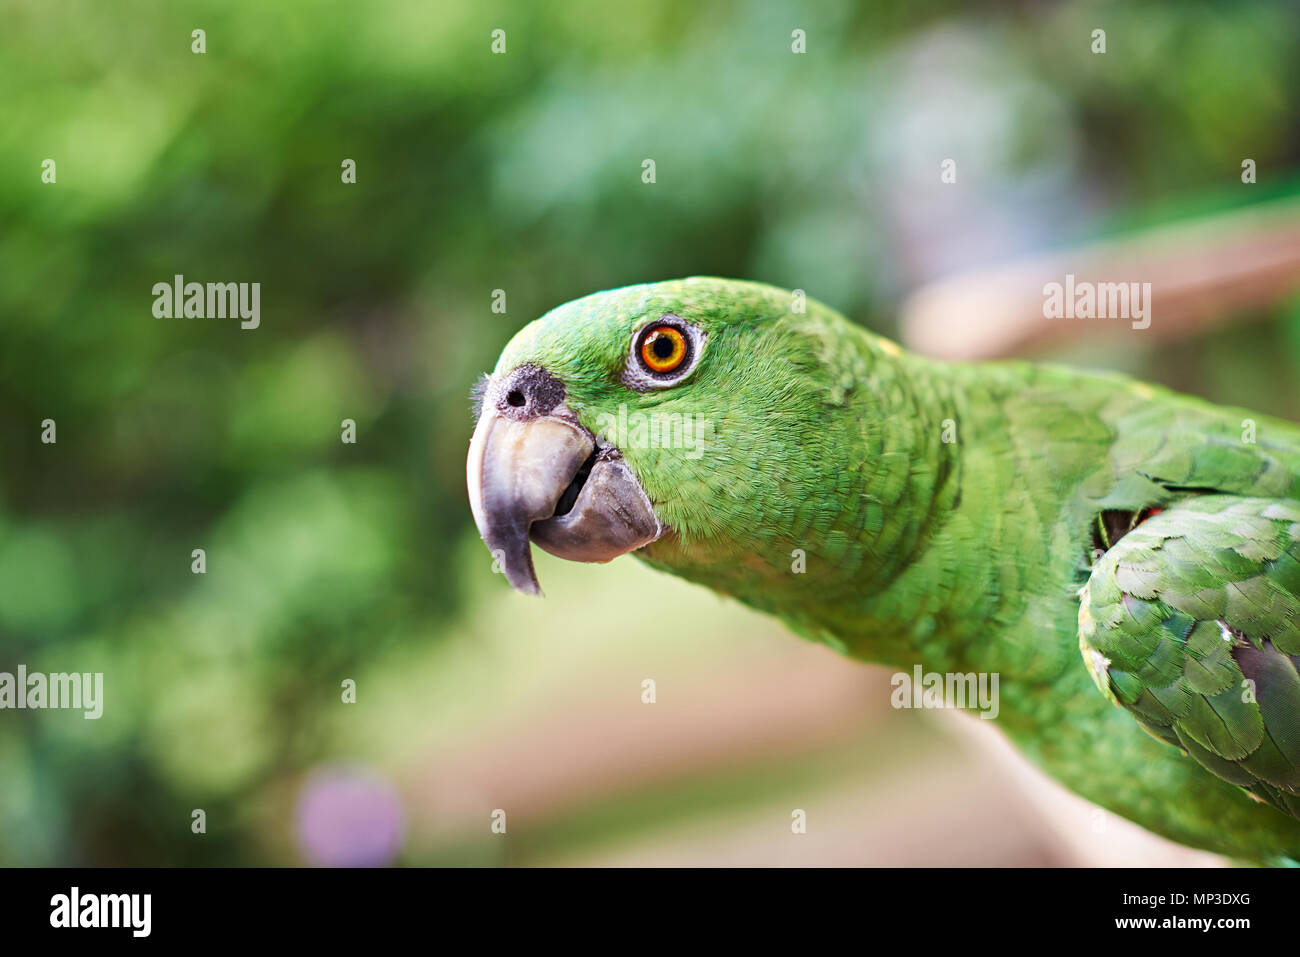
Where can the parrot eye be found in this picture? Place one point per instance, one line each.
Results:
(663, 349)
(663, 353)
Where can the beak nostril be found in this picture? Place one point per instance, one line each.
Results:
(516, 398)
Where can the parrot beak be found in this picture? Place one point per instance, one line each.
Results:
(534, 472)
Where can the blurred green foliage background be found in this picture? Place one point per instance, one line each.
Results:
(478, 172)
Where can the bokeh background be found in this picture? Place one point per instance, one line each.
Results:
(522, 172)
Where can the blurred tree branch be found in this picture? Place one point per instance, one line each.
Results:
(1201, 271)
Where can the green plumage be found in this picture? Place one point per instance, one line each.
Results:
(1191, 622)
(955, 515)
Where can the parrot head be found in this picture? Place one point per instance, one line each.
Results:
(682, 420)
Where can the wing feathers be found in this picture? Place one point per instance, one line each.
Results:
(1191, 622)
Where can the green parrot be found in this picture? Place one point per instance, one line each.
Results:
(1125, 559)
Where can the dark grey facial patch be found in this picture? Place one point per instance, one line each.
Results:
(526, 393)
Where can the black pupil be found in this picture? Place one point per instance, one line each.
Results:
(662, 346)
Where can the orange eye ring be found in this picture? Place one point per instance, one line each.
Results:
(663, 349)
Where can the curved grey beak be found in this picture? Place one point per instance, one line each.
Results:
(542, 475)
